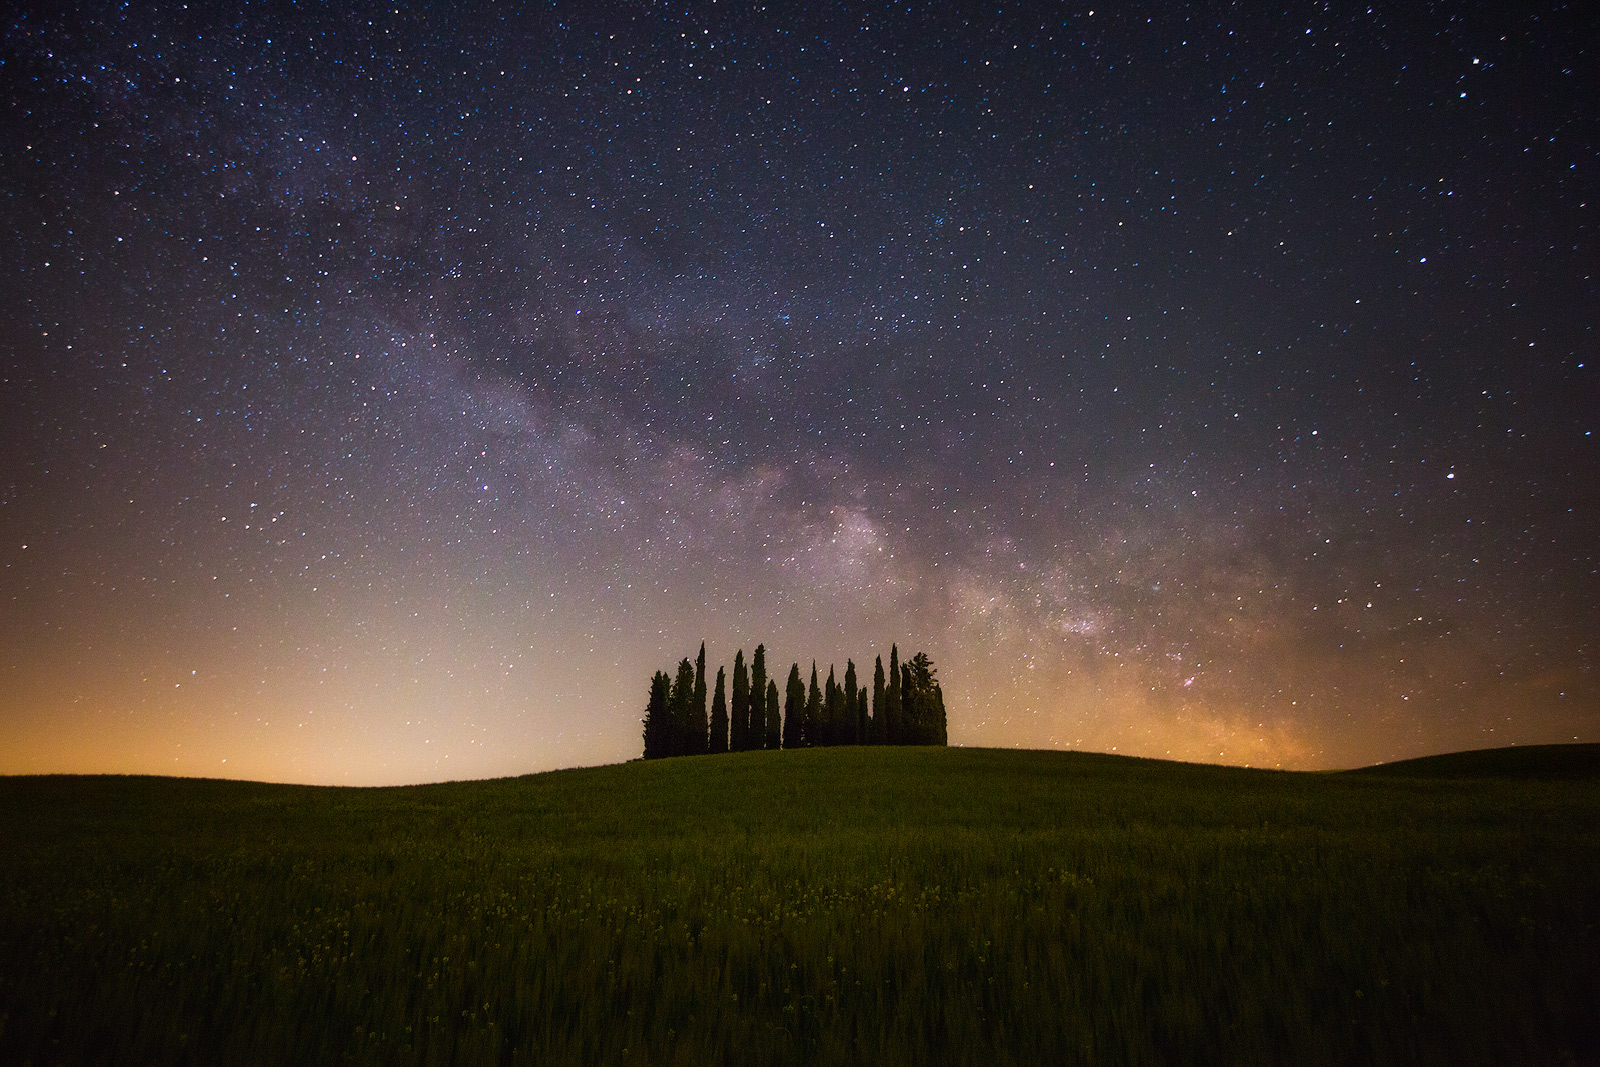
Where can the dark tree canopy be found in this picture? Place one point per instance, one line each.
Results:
(699, 702)
(904, 707)
(757, 738)
(739, 713)
(922, 703)
(852, 733)
(892, 707)
(655, 717)
(794, 710)
(813, 719)
(689, 737)
(830, 710)
(719, 716)
(774, 727)
(880, 709)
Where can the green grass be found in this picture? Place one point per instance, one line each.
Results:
(882, 906)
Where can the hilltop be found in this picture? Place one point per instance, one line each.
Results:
(1528, 762)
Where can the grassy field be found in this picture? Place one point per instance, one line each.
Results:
(882, 906)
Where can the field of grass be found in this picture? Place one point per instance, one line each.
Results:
(876, 905)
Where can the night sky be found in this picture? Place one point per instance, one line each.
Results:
(387, 394)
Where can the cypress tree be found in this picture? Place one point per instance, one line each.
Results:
(908, 709)
(668, 734)
(684, 742)
(757, 738)
(674, 723)
(699, 702)
(773, 726)
(719, 716)
(739, 714)
(880, 709)
(834, 709)
(794, 710)
(813, 720)
(828, 703)
(852, 726)
(863, 725)
(927, 699)
(821, 725)
(912, 719)
(892, 699)
(655, 717)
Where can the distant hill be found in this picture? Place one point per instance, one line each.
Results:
(1529, 763)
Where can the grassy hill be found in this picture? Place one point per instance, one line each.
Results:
(1529, 763)
(884, 906)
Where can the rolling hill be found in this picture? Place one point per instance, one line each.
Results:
(873, 905)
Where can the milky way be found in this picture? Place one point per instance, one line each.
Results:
(388, 394)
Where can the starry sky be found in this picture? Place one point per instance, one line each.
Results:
(388, 393)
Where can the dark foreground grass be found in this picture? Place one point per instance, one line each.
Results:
(882, 906)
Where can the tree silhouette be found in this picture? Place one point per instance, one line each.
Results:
(656, 730)
(906, 707)
(833, 705)
(794, 710)
(757, 737)
(773, 726)
(892, 699)
(699, 702)
(685, 741)
(880, 709)
(813, 719)
(852, 726)
(923, 703)
(719, 716)
(739, 714)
